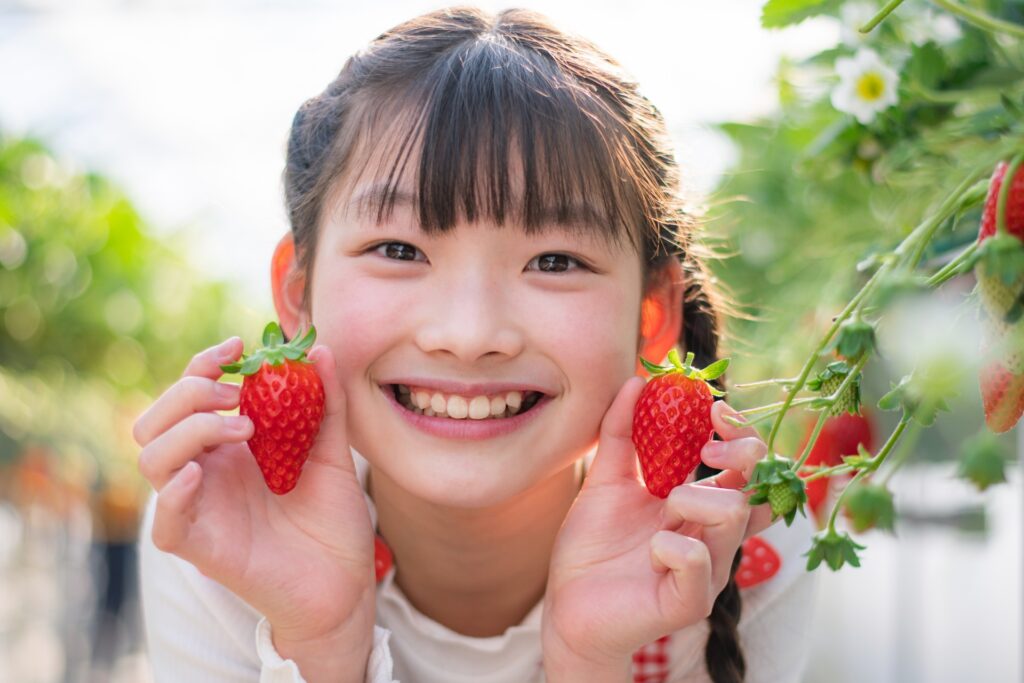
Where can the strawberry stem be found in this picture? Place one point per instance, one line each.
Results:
(882, 14)
(1004, 193)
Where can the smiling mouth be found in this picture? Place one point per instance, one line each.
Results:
(435, 404)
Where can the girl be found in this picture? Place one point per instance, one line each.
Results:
(480, 207)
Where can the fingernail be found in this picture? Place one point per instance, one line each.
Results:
(713, 449)
(238, 423)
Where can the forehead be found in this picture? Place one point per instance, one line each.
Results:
(399, 164)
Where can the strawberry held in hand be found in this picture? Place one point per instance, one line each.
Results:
(284, 398)
(672, 420)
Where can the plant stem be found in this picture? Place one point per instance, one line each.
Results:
(802, 378)
(810, 442)
(839, 501)
(1004, 193)
(952, 269)
(922, 234)
(774, 380)
(889, 443)
(773, 406)
(829, 471)
(980, 19)
(882, 14)
(905, 450)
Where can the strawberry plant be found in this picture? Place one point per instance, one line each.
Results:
(922, 126)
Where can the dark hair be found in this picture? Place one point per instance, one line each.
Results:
(474, 95)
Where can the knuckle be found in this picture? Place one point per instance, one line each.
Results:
(146, 465)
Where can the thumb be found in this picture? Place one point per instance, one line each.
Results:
(331, 446)
(616, 458)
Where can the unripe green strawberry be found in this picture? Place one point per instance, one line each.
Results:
(782, 499)
(284, 397)
(672, 420)
(829, 380)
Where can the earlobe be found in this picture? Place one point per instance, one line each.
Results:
(661, 316)
(288, 285)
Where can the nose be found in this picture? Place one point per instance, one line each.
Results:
(470, 317)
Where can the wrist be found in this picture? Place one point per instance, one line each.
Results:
(339, 654)
(562, 664)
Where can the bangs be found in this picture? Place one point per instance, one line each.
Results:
(503, 134)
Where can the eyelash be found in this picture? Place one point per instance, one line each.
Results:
(580, 265)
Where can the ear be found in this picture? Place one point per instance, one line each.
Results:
(661, 314)
(288, 284)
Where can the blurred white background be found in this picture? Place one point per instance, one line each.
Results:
(187, 105)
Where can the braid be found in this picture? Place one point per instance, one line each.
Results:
(723, 655)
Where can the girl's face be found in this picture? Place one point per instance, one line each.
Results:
(479, 312)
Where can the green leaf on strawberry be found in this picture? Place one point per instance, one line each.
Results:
(983, 461)
(834, 549)
(869, 506)
(854, 339)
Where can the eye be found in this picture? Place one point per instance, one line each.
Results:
(557, 263)
(397, 251)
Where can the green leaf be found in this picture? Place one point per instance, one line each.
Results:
(927, 65)
(983, 461)
(272, 335)
(870, 506)
(715, 370)
(779, 13)
(834, 549)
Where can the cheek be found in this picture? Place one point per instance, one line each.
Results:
(357, 318)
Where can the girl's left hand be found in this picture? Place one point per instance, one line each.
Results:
(628, 567)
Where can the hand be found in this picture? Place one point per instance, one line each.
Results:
(305, 559)
(628, 567)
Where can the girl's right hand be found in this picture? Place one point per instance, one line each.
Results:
(304, 560)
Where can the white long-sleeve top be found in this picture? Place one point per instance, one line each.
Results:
(199, 631)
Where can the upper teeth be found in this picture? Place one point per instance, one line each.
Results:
(430, 402)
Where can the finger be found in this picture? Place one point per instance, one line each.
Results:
(331, 446)
(760, 519)
(723, 516)
(186, 396)
(616, 457)
(175, 509)
(171, 451)
(207, 363)
(740, 454)
(685, 592)
(728, 432)
(760, 515)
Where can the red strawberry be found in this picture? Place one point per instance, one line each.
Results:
(672, 420)
(1014, 205)
(759, 563)
(284, 398)
(1002, 394)
(382, 558)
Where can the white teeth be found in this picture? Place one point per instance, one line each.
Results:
(425, 402)
(498, 406)
(457, 407)
(480, 408)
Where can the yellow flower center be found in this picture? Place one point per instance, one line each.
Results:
(870, 86)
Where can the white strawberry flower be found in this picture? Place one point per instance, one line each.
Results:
(852, 16)
(867, 85)
(926, 24)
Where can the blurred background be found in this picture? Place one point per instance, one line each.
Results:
(141, 148)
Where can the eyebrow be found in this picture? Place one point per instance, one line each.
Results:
(367, 200)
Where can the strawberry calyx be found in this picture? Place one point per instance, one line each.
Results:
(687, 369)
(275, 351)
